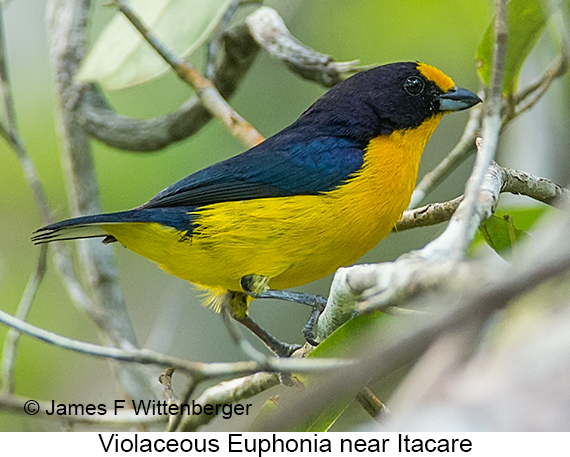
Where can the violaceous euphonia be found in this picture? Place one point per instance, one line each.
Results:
(312, 198)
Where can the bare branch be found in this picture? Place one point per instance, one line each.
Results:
(175, 420)
(68, 27)
(198, 370)
(514, 181)
(229, 392)
(214, 43)
(541, 189)
(10, 131)
(271, 33)
(491, 130)
(204, 88)
(512, 108)
(529, 96)
(404, 341)
(62, 255)
(432, 214)
(387, 284)
(7, 99)
(148, 135)
(424, 268)
(10, 351)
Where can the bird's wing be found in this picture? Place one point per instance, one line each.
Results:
(280, 166)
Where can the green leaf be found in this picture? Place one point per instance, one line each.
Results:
(526, 22)
(338, 344)
(502, 230)
(270, 406)
(121, 57)
(500, 233)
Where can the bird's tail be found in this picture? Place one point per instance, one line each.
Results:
(90, 226)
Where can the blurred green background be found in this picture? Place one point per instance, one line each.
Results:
(165, 310)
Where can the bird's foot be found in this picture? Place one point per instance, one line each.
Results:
(256, 286)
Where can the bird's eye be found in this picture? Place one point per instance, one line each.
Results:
(414, 85)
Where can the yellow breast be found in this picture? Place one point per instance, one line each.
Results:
(293, 240)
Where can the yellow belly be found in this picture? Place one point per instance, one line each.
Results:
(292, 240)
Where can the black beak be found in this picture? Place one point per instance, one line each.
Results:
(458, 99)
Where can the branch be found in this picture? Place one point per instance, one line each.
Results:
(10, 351)
(68, 21)
(11, 135)
(512, 108)
(229, 392)
(98, 118)
(514, 181)
(432, 214)
(391, 283)
(541, 189)
(271, 33)
(403, 341)
(204, 88)
(491, 129)
(198, 370)
(215, 41)
(62, 255)
(528, 97)
(384, 285)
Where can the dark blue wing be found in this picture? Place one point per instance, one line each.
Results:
(286, 164)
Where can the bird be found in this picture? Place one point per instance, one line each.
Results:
(314, 197)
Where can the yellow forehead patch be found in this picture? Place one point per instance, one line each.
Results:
(441, 80)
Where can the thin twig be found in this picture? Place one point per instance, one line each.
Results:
(229, 392)
(10, 351)
(241, 342)
(204, 88)
(98, 118)
(62, 255)
(165, 379)
(198, 370)
(557, 69)
(10, 134)
(63, 258)
(405, 341)
(214, 44)
(4, 78)
(522, 101)
(175, 420)
(10, 131)
(515, 182)
(491, 128)
(68, 26)
(432, 214)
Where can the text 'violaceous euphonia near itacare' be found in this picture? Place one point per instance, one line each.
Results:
(312, 198)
